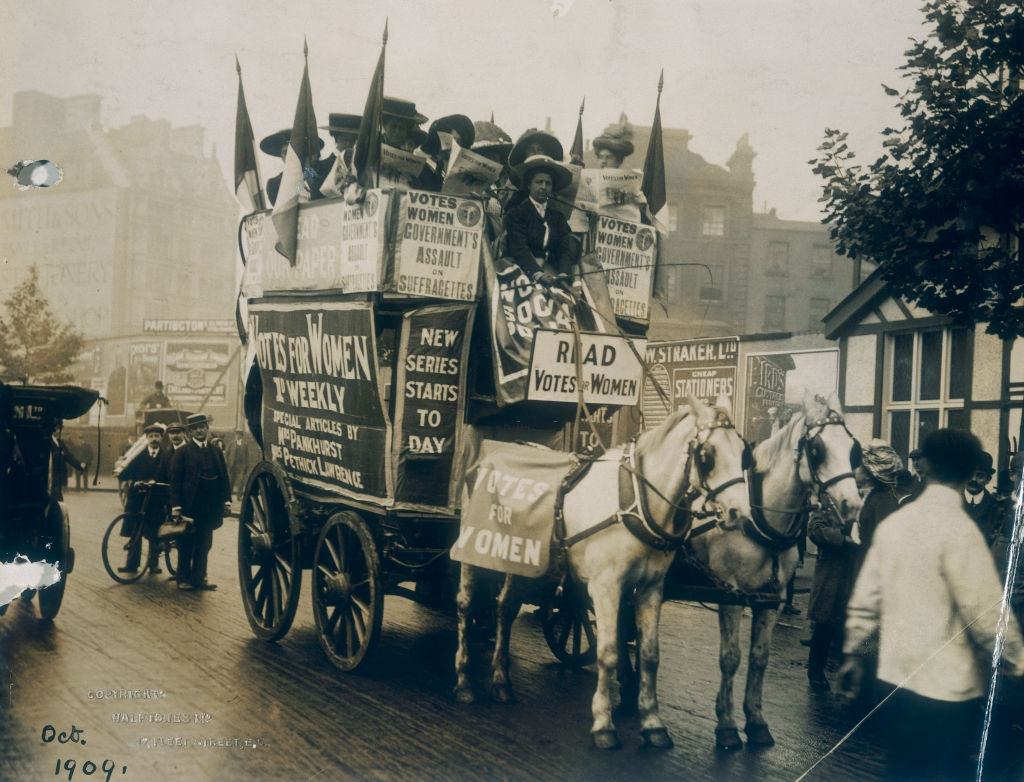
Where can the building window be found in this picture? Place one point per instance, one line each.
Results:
(821, 262)
(777, 261)
(712, 222)
(816, 312)
(712, 288)
(774, 313)
(673, 219)
(927, 378)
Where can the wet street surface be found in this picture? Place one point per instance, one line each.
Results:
(224, 705)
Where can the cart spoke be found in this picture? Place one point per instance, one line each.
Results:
(264, 502)
(332, 620)
(342, 558)
(563, 635)
(359, 625)
(577, 631)
(324, 571)
(286, 566)
(334, 554)
(362, 583)
(364, 608)
(588, 626)
(259, 516)
(261, 599)
(349, 646)
(251, 529)
(275, 599)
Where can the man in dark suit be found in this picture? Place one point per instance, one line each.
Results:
(149, 467)
(200, 490)
(538, 238)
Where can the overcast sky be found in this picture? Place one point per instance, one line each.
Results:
(780, 70)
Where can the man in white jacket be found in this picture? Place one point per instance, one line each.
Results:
(929, 592)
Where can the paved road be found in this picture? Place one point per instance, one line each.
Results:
(396, 721)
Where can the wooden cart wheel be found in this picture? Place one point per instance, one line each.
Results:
(570, 627)
(348, 598)
(51, 597)
(269, 568)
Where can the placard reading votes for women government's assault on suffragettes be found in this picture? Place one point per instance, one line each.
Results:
(323, 413)
(439, 248)
(626, 251)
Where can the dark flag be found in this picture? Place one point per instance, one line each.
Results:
(303, 152)
(653, 187)
(576, 153)
(247, 172)
(366, 159)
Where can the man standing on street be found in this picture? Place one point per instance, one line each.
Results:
(200, 490)
(981, 505)
(141, 473)
(929, 590)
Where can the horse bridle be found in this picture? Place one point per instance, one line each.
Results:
(697, 456)
(807, 445)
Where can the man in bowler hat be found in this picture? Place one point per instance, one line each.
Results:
(200, 490)
(151, 466)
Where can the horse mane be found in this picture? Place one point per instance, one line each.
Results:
(656, 436)
(767, 451)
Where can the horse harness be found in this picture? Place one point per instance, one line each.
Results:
(636, 517)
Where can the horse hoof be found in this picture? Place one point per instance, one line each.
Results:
(606, 739)
(502, 693)
(655, 738)
(464, 695)
(727, 739)
(758, 735)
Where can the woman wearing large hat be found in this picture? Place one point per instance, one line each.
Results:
(344, 129)
(537, 236)
(276, 145)
(438, 145)
(614, 145)
(402, 123)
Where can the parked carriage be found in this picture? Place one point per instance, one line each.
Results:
(34, 525)
(377, 367)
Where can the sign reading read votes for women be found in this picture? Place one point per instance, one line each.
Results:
(340, 247)
(438, 254)
(324, 418)
(608, 368)
(626, 251)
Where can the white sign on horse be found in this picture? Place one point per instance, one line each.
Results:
(609, 369)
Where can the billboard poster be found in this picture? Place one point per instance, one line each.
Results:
(432, 357)
(194, 373)
(776, 383)
(324, 418)
(143, 369)
(439, 238)
(705, 368)
(627, 251)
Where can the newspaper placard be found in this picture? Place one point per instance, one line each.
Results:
(627, 252)
(324, 418)
(610, 370)
(438, 254)
(469, 173)
(614, 192)
(340, 247)
(194, 373)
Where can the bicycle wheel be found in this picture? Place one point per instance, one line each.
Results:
(115, 552)
(171, 557)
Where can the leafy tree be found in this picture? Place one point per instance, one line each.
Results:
(940, 211)
(34, 344)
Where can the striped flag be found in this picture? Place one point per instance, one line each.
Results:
(366, 158)
(653, 187)
(303, 152)
(576, 153)
(247, 172)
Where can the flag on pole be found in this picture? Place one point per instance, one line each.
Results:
(247, 172)
(653, 188)
(303, 152)
(366, 159)
(576, 153)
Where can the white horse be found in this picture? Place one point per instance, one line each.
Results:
(696, 452)
(814, 452)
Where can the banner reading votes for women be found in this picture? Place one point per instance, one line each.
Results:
(703, 368)
(627, 251)
(324, 419)
(438, 253)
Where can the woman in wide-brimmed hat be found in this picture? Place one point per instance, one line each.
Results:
(344, 129)
(276, 145)
(537, 236)
(437, 147)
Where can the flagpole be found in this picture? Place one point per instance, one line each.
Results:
(383, 51)
(261, 199)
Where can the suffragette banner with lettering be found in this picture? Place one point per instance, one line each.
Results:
(340, 247)
(703, 368)
(508, 508)
(432, 357)
(627, 252)
(610, 371)
(439, 240)
(324, 418)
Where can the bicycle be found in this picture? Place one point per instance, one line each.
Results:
(113, 542)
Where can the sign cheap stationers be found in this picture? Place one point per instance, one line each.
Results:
(703, 368)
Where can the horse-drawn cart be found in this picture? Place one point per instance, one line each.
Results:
(380, 360)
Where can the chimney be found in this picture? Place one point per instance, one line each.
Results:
(742, 160)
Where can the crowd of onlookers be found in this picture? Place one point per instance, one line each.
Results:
(912, 594)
